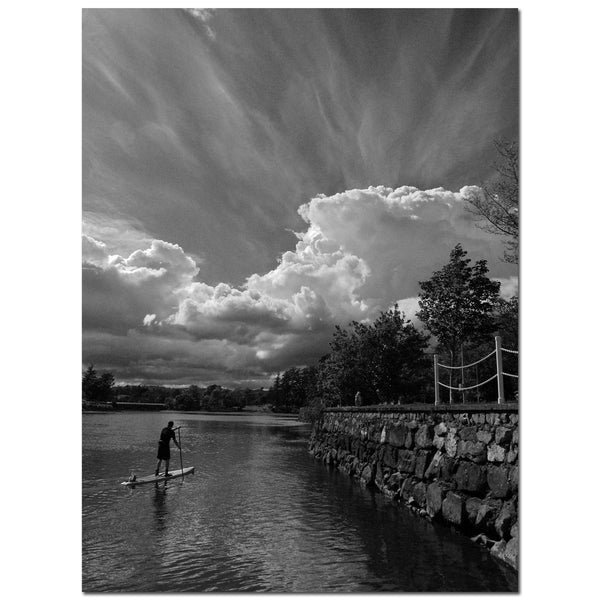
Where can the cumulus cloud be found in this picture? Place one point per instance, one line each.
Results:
(118, 292)
(509, 287)
(362, 251)
(402, 235)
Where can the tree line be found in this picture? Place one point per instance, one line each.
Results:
(100, 388)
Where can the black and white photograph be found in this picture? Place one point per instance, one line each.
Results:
(300, 300)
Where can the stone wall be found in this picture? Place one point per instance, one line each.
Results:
(457, 464)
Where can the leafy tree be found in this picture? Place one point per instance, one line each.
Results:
(293, 389)
(384, 360)
(498, 207)
(393, 351)
(341, 373)
(88, 383)
(97, 388)
(508, 322)
(107, 381)
(458, 303)
(508, 328)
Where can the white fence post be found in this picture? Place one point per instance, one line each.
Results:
(499, 369)
(436, 379)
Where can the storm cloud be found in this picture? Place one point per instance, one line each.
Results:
(361, 251)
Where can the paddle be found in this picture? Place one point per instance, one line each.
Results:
(180, 456)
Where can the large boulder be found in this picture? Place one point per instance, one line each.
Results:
(406, 461)
(468, 433)
(367, 475)
(495, 453)
(440, 429)
(451, 444)
(506, 519)
(397, 435)
(511, 553)
(507, 552)
(422, 462)
(448, 467)
(433, 470)
(473, 451)
(419, 493)
(453, 508)
(384, 435)
(485, 437)
(389, 455)
(498, 549)
(487, 515)
(434, 498)
(498, 482)
(470, 477)
(438, 442)
(513, 479)
(472, 506)
(424, 436)
(503, 435)
(514, 530)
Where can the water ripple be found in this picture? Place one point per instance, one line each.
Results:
(258, 515)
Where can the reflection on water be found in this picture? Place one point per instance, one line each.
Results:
(160, 506)
(258, 515)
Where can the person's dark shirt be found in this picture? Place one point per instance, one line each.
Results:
(166, 435)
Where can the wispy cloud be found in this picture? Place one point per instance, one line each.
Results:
(204, 15)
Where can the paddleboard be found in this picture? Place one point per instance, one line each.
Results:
(160, 477)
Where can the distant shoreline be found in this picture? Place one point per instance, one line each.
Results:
(108, 408)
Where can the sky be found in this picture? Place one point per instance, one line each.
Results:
(251, 178)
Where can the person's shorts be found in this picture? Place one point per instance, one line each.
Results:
(164, 452)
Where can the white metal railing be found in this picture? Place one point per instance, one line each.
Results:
(499, 374)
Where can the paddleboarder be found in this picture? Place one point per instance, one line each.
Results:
(164, 451)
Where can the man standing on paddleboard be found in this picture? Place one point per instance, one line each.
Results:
(164, 451)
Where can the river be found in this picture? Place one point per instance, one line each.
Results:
(259, 514)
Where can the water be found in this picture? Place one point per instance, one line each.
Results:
(259, 514)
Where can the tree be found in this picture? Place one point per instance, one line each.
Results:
(384, 360)
(342, 373)
(392, 351)
(293, 389)
(508, 322)
(458, 303)
(497, 208)
(97, 388)
(88, 384)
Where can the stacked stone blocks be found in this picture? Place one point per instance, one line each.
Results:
(461, 468)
